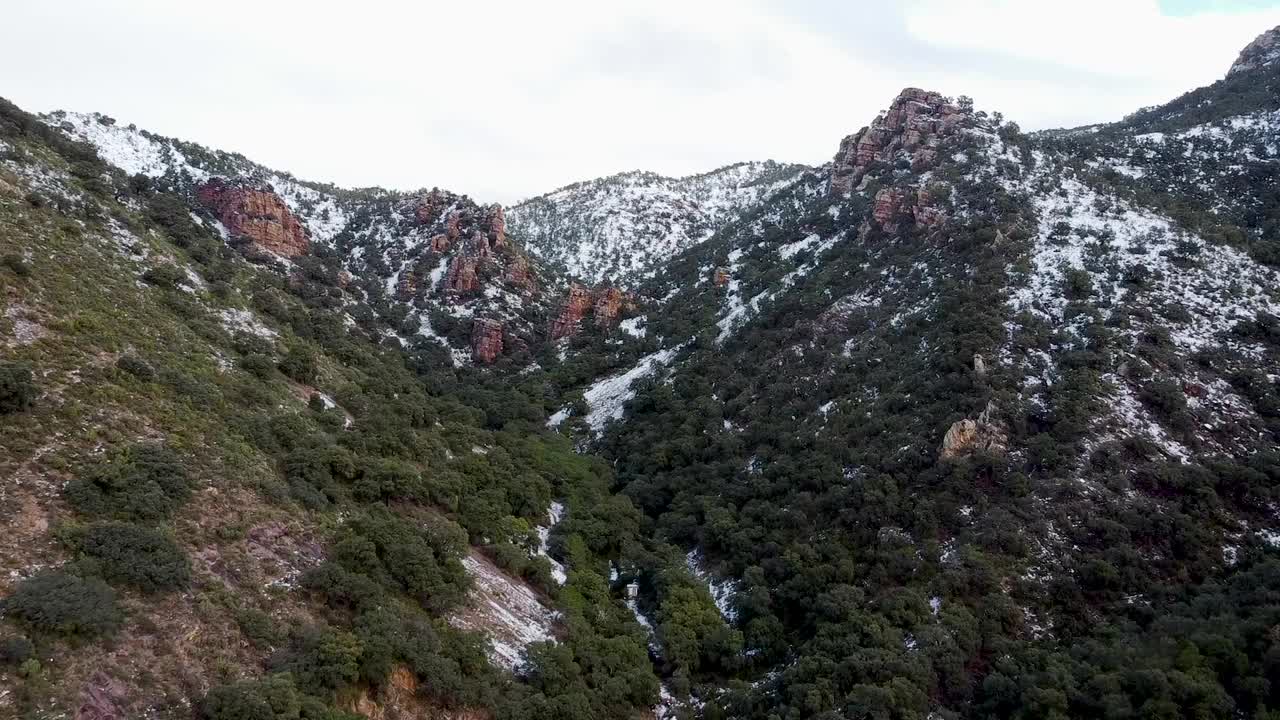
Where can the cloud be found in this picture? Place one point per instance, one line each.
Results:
(508, 99)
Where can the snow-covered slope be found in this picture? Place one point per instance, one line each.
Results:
(621, 228)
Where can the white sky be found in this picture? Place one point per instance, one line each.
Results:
(504, 100)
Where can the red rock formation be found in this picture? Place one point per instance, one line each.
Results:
(497, 227)
(344, 279)
(914, 124)
(431, 206)
(452, 229)
(608, 306)
(407, 286)
(893, 204)
(925, 212)
(463, 275)
(520, 275)
(890, 203)
(440, 243)
(486, 340)
(721, 276)
(257, 215)
(576, 306)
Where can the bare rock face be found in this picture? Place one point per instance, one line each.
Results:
(100, 699)
(913, 125)
(576, 306)
(432, 205)
(979, 365)
(890, 204)
(519, 274)
(464, 276)
(497, 227)
(486, 341)
(259, 216)
(606, 304)
(721, 276)
(893, 205)
(1264, 50)
(965, 437)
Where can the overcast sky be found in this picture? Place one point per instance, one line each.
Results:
(504, 100)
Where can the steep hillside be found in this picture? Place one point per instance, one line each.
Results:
(229, 497)
(434, 266)
(966, 423)
(622, 228)
(974, 423)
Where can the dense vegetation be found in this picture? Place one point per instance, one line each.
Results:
(238, 485)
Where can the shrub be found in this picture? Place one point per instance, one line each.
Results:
(300, 364)
(65, 604)
(165, 276)
(17, 392)
(273, 698)
(15, 650)
(136, 367)
(142, 483)
(14, 262)
(143, 557)
(258, 365)
(322, 661)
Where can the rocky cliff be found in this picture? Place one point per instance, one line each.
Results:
(257, 216)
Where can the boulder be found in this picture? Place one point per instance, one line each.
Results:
(966, 437)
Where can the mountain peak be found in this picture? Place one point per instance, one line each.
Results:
(913, 124)
(1263, 51)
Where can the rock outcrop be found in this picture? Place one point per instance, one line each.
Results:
(721, 276)
(606, 305)
(1264, 50)
(100, 699)
(486, 340)
(576, 305)
(432, 206)
(965, 437)
(259, 216)
(519, 274)
(912, 128)
(497, 227)
(893, 205)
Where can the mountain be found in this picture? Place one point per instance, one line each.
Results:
(968, 422)
(434, 266)
(622, 228)
(976, 423)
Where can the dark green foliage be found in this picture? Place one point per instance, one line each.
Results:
(136, 367)
(420, 559)
(15, 650)
(272, 698)
(145, 558)
(165, 276)
(299, 363)
(16, 264)
(17, 392)
(64, 604)
(140, 483)
(261, 366)
(259, 627)
(321, 661)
